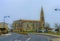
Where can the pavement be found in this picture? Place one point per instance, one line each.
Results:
(6, 34)
(29, 37)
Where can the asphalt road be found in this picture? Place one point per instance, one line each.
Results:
(20, 37)
(14, 37)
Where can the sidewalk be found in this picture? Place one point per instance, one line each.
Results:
(6, 34)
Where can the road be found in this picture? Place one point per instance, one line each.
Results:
(20, 37)
(13, 37)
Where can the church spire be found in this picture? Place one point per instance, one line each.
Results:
(42, 21)
(42, 15)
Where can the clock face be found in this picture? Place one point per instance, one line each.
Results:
(27, 26)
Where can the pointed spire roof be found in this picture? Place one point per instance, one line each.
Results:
(42, 15)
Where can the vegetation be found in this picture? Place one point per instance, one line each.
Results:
(57, 29)
(47, 27)
(24, 33)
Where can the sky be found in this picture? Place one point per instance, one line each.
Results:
(29, 10)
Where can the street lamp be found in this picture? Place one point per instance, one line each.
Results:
(57, 29)
(4, 20)
(56, 9)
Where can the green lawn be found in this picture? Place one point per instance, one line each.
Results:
(26, 32)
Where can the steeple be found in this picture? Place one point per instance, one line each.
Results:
(42, 15)
(42, 21)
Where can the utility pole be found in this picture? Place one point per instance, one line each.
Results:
(4, 20)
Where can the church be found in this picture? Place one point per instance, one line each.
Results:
(29, 25)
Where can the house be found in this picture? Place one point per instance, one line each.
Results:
(3, 28)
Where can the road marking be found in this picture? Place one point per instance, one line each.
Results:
(17, 40)
(8, 34)
(28, 39)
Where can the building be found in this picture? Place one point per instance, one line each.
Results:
(29, 25)
(3, 28)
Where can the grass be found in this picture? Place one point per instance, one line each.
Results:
(57, 33)
(25, 33)
(50, 33)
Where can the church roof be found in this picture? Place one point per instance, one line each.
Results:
(29, 20)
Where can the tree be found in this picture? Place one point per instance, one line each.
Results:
(47, 26)
(57, 27)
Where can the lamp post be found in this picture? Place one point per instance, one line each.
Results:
(57, 9)
(4, 20)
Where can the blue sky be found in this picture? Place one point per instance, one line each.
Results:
(29, 10)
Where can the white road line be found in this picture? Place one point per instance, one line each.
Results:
(17, 40)
(28, 39)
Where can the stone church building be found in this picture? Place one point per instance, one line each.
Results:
(29, 25)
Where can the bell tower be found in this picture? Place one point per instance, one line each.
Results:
(42, 21)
